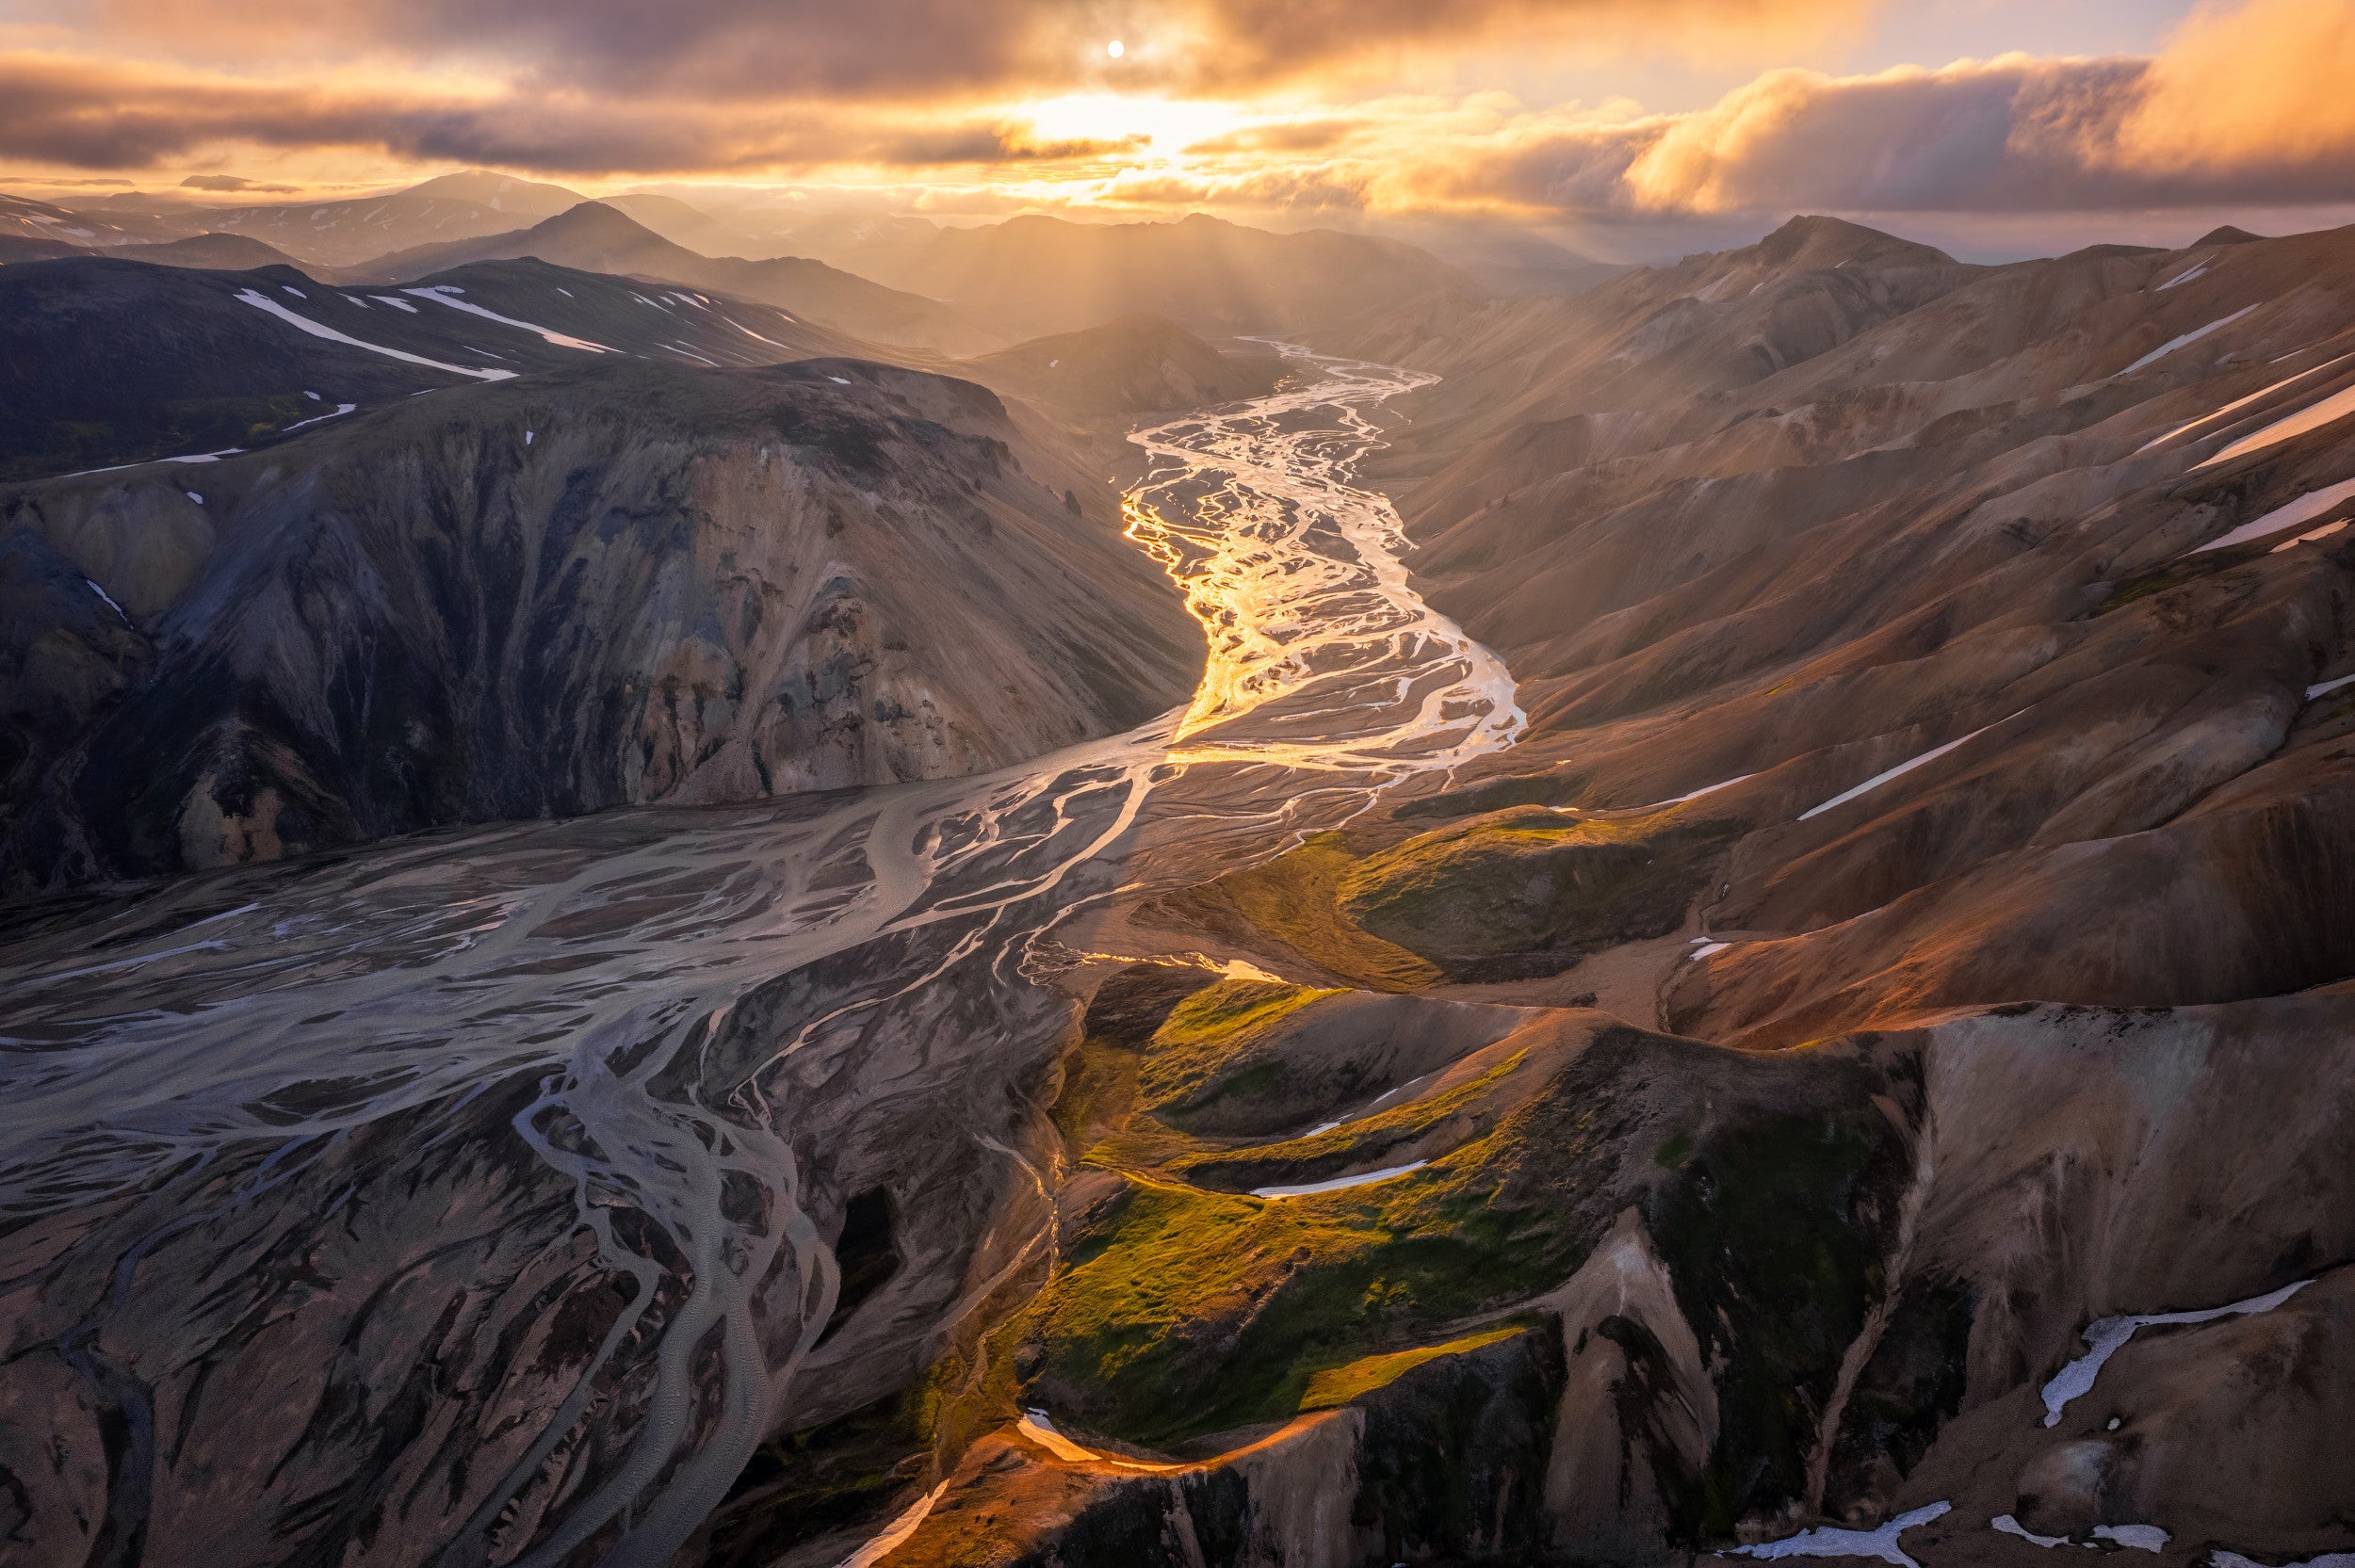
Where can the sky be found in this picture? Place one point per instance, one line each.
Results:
(1624, 128)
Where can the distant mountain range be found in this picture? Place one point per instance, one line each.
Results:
(956, 291)
(344, 234)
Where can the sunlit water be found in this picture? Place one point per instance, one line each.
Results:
(284, 1008)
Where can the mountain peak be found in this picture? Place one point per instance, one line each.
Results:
(2227, 234)
(586, 218)
(501, 192)
(1813, 242)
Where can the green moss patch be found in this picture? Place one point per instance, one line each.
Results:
(1338, 1385)
(1182, 1312)
(1219, 1043)
(1296, 899)
(1326, 1154)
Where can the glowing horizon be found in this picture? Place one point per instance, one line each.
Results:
(1590, 115)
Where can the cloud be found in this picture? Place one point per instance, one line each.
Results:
(760, 49)
(2266, 83)
(1288, 135)
(1331, 188)
(2245, 106)
(96, 114)
(232, 182)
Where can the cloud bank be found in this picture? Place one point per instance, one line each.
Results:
(2247, 105)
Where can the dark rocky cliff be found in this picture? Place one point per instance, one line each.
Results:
(627, 583)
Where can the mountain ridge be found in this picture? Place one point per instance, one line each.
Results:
(595, 237)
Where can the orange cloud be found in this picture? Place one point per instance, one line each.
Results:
(2247, 105)
(1000, 100)
(2265, 84)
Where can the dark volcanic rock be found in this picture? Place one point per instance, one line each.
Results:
(628, 584)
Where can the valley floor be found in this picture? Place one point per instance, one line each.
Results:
(1308, 1128)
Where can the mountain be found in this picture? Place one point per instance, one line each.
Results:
(1712, 321)
(1137, 365)
(344, 234)
(16, 247)
(594, 237)
(209, 251)
(620, 582)
(216, 253)
(23, 218)
(105, 360)
(1041, 275)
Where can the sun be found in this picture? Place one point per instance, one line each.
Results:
(1115, 49)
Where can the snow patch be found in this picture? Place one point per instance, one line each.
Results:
(109, 598)
(2193, 336)
(2108, 1336)
(263, 303)
(2222, 1559)
(313, 396)
(840, 380)
(2184, 276)
(1041, 1431)
(1827, 1541)
(895, 1532)
(193, 496)
(2337, 406)
(2242, 402)
(1338, 1183)
(397, 303)
(445, 295)
(2312, 504)
(2309, 536)
(1036, 1426)
(341, 409)
(2143, 1538)
(2004, 1524)
(1708, 947)
(749, 332)
(2314, 691)
(1905, 767)
(1679, 799)
(296, 292)
(527, 438)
